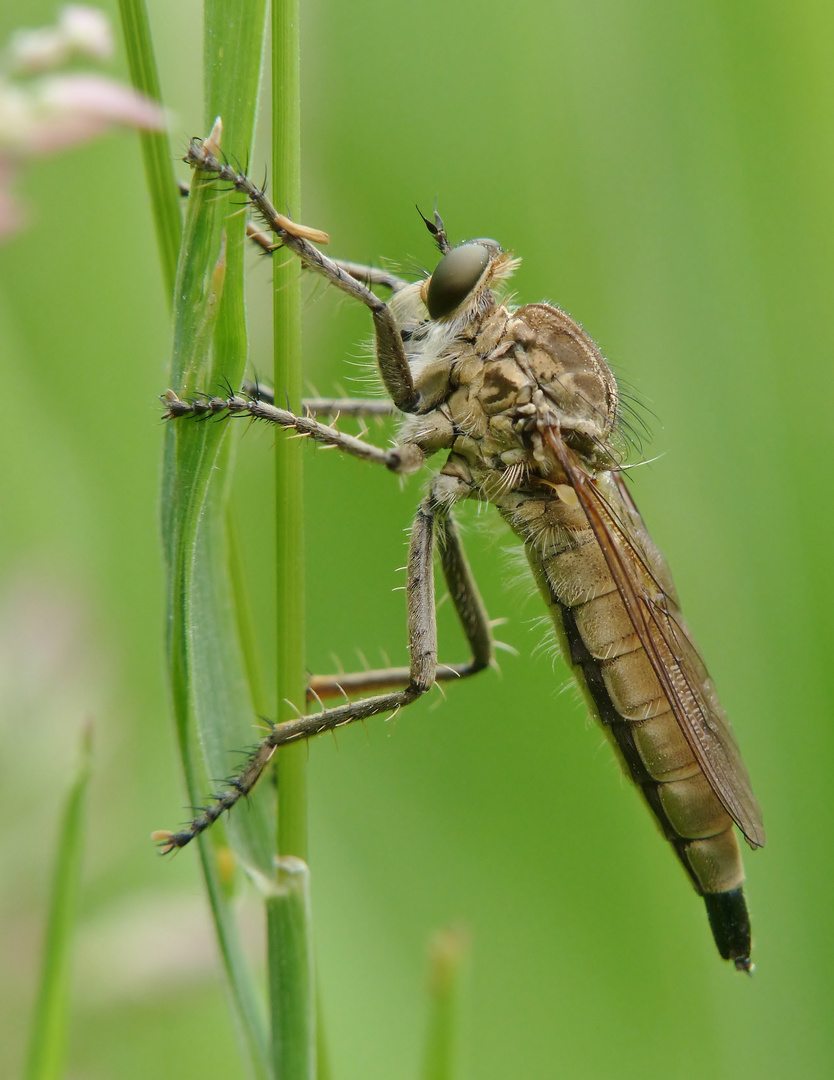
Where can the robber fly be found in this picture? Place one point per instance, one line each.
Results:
(526, 409)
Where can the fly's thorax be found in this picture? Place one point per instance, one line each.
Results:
(568, 367)
(523, 373)
(436, 351)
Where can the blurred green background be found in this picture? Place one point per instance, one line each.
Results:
(667, 174)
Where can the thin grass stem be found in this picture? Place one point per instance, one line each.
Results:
(289, 542)
(292, 998)
(211, 697)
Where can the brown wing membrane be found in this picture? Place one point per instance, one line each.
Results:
(647, 592)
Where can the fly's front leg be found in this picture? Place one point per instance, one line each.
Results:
(422, 644)
(393, 363)
(402, 459)
(359, 407)
(464, 594)
(369, 275)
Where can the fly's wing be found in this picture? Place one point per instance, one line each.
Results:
(646, 589)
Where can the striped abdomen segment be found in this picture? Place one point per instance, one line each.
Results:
(623, 691)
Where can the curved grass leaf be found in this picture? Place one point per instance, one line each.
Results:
(48, 1041)
(212, 702)
(448, 953)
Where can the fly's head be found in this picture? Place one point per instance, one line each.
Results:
(460, 287)
(460, 291)
(457, 295)
(441, 316)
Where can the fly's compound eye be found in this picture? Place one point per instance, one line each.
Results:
(455, 277)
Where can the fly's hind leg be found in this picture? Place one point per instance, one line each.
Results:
(420, 676)
(465, 597)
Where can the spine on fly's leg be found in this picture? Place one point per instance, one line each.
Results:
(610, 663)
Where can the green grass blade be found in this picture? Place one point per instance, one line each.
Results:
(245, 619)
(208, 686)
(156, 147)
(48, 1040)
(212, 701)
(323, 1069)
(447, 959)
(290, 972)
(289, 526)
(291, 993)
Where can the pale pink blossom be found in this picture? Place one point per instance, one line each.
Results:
(81, 32)
(87, 30)
(62, 110)
(44, 113)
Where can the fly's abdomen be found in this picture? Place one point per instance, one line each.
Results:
(630, 701)
(624, 692)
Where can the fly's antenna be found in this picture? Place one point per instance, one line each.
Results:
(437, 229)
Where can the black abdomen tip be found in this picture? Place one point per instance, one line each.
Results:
(730, 925)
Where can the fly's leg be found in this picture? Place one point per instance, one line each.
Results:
(368, 275)
(362, 407)
(422, 644)
(372, 275)
(391, 357)
(402, 459)
(470, 611)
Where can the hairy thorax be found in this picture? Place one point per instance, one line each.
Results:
(511, 376)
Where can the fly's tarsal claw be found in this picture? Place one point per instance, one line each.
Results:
(164, 839)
